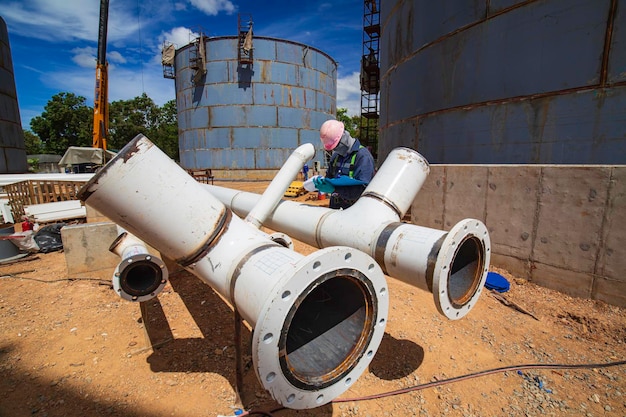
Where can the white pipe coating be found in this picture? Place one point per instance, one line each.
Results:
(298, 305)
(281, 182)
(452, 265)
(139, 276)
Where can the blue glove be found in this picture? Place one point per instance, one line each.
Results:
(323, 185)
(344, 181)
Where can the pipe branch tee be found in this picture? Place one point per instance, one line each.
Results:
(318, 319)
(452, 265)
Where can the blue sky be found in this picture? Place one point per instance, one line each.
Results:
(54, 42)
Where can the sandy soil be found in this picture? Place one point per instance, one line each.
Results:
(71, 347)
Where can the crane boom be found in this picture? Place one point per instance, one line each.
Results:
(101, 96)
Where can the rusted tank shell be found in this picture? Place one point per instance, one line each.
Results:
(504, 81)
(12, 149)
(243, 117)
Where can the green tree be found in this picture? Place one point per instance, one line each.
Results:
(34, 145)
(66, 121)
(165, 134)
(351, 124)
(354, 125)
(128, 118)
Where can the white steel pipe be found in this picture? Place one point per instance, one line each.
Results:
(317, 319)
(281, 182)
(139, 276)
(452, 265)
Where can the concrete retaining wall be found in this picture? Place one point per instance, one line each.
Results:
(562, 227)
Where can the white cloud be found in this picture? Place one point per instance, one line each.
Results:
(349, 93)
(124, 83)
(213, 7)
(84, 57)
(179, 36)
(115, 56)
(65, 20)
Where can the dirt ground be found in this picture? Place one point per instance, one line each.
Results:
(71, 347)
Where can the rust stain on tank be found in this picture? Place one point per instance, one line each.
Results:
(537, 117)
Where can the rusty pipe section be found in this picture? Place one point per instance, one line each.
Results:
(298, 305)
(139, 276)
(452, 265)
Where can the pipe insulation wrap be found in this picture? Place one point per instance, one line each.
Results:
(318, 319)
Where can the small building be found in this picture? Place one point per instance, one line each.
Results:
(80, 160)
(44, 163)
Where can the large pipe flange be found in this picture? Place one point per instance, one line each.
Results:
(140, 277)
(461, 268)
(321, 327)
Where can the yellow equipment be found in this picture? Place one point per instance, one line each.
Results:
(101, 96)
(296, 189)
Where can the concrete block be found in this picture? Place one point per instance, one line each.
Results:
(576, 284)
(610, 291)
(94, 216)
(518, 267)
(571, 208)
(611, 260)
(86, 247)
(465, 193)
(511, 208)
(427, 208)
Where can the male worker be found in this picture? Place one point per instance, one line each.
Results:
(350, 169)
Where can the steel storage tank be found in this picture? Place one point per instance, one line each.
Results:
(12, 149)
(505, 81)
(244, 120)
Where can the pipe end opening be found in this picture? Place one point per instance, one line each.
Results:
(328, 329)
(140, 278)
(325, 332)
(463, 268)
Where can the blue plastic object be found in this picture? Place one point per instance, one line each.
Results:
(344, 181)
(497, 282)
(323, 185)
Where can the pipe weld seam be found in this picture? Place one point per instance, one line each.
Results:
(432, 260)
(218, 232)
(240, 265)
(117, 241)
(318, 227)
(381, 244)
(384, 200)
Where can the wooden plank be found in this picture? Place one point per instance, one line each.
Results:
(53, 191)
(54, 211)
(32, 192)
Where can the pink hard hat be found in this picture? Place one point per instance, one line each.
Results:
(330, 133)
